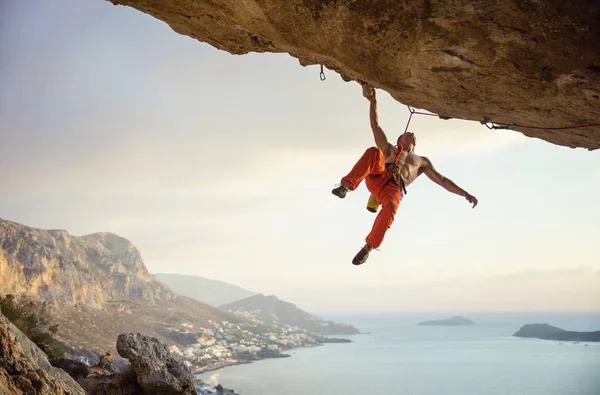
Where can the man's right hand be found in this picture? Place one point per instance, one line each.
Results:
(369, 92)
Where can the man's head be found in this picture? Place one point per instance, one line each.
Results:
(409, 142)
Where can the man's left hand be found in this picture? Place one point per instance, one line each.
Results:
(471, 199)
(369, 92)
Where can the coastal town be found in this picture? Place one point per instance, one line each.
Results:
(226, 343)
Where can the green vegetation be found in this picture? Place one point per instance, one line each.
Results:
(29, 317)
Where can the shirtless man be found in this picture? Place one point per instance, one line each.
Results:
(386, 180)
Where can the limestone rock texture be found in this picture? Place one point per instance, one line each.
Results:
(25, 369)
(532, 63)
(156, 370)
(69, 270)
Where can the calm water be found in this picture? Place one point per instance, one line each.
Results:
(398, 357)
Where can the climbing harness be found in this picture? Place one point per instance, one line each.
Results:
(392, 168)
(396, 169)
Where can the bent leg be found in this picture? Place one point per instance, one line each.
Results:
(390, 198)
(372, 162)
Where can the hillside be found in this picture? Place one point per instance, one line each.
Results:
(97, 286)
(212, 292)
(270, 309)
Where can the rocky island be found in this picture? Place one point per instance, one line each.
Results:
(453, 321)
(549, 332)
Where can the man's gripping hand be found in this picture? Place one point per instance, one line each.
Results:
(471, 199)
(369, 92)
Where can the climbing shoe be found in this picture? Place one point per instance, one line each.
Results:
(340, 191)
(373, 204)
(360, 257)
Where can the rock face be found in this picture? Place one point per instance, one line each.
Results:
(112, 384)
(549, 332)
(77, 370)
(270, 309)
(97, 287)
(156, 370)
(25, 369)
(68, 270)
(525, 62)
(105, 379)
(454, 321)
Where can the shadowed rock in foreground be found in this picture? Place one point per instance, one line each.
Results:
(156, 370)
(25, 369)
(152, 371)
(549, 332)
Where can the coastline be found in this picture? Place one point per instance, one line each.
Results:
(318, 371)
(221, 365)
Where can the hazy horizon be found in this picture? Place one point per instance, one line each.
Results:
(593, 310)
(221, 166)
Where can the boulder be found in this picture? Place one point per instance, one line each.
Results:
(156, 370)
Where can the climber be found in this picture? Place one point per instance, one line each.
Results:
(388, 170)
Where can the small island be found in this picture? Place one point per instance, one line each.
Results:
(549, 332)
(453, 321)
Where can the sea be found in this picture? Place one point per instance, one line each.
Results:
(393, 355)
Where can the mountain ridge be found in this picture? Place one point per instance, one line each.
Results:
(212, 292)
(270, 309)
(97, 286)
(57, 267)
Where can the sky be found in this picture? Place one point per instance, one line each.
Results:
(222, 166)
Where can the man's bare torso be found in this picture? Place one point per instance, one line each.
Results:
(411, 165)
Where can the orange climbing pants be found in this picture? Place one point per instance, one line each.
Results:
(372, 167)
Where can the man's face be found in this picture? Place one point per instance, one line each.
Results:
(408, 142)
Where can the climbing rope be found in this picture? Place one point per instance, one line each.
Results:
(493, 125)
(412, 112)
(487, 121)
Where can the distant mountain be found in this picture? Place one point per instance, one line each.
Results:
(549, 332)
(208, 291)
(454, 321)
(270, 309)
(97, 287)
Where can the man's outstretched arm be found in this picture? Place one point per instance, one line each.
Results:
(447, 183)
(380, 138)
